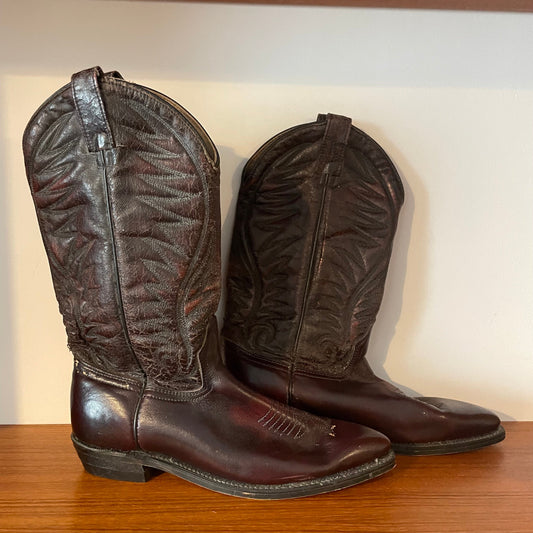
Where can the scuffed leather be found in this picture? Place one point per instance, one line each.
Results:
(311, 249)
(364, 398)
(225, 429)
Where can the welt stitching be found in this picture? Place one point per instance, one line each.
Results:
(345, 474)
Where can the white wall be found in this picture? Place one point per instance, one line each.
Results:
(449, 95)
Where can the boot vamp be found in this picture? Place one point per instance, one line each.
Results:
(239, 434)
(380, 405)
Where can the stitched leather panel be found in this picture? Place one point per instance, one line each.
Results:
(356, 236)
(131, 233)
(271, 245)
(164, 203)
(238, 434)
(69, 197)
(309, 254)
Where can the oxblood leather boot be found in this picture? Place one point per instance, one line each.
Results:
(125, 185)
(315, 221)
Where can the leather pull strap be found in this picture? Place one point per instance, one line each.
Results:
(334, 143)
(91, 110)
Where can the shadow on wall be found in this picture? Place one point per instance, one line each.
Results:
(231, 166)
(8, 404)
(392, 306)
(404, 277)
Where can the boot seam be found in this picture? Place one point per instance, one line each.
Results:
(258, 357)
(107, 378)
(177, 397)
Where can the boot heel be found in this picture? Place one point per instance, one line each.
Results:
(112, 464)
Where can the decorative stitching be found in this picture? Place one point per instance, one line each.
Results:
(275, 419)
(84, 367)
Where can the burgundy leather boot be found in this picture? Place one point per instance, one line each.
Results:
(315, 221)
(126, 188)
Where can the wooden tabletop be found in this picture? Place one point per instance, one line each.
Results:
(43, 488)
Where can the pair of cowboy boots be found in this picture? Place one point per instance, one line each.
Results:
(126, 188)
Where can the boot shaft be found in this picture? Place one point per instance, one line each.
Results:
(316, 216)
(125, 186)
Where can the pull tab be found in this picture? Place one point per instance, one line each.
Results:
(335, 140)
(90, 108)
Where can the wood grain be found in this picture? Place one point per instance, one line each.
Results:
(469, 5)
(44, 488)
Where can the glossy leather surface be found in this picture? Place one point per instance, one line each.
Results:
(227, 429)
(103, 408)
(126, 188)
(234, 432)
(71, 203)
(364, 398)
(314, 228)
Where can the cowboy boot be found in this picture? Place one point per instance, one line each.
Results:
(126, 188)
(316, 216)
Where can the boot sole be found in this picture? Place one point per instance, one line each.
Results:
(450, 446)
(139, 466)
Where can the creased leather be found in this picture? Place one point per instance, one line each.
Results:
(130, 231)
(70, 202)
(310, 249)
(90, 108)
(164, 198)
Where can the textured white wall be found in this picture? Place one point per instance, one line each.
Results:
(449, 95)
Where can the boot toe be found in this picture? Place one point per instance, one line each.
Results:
(457, 427)
(352, 445)
(467, 420)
